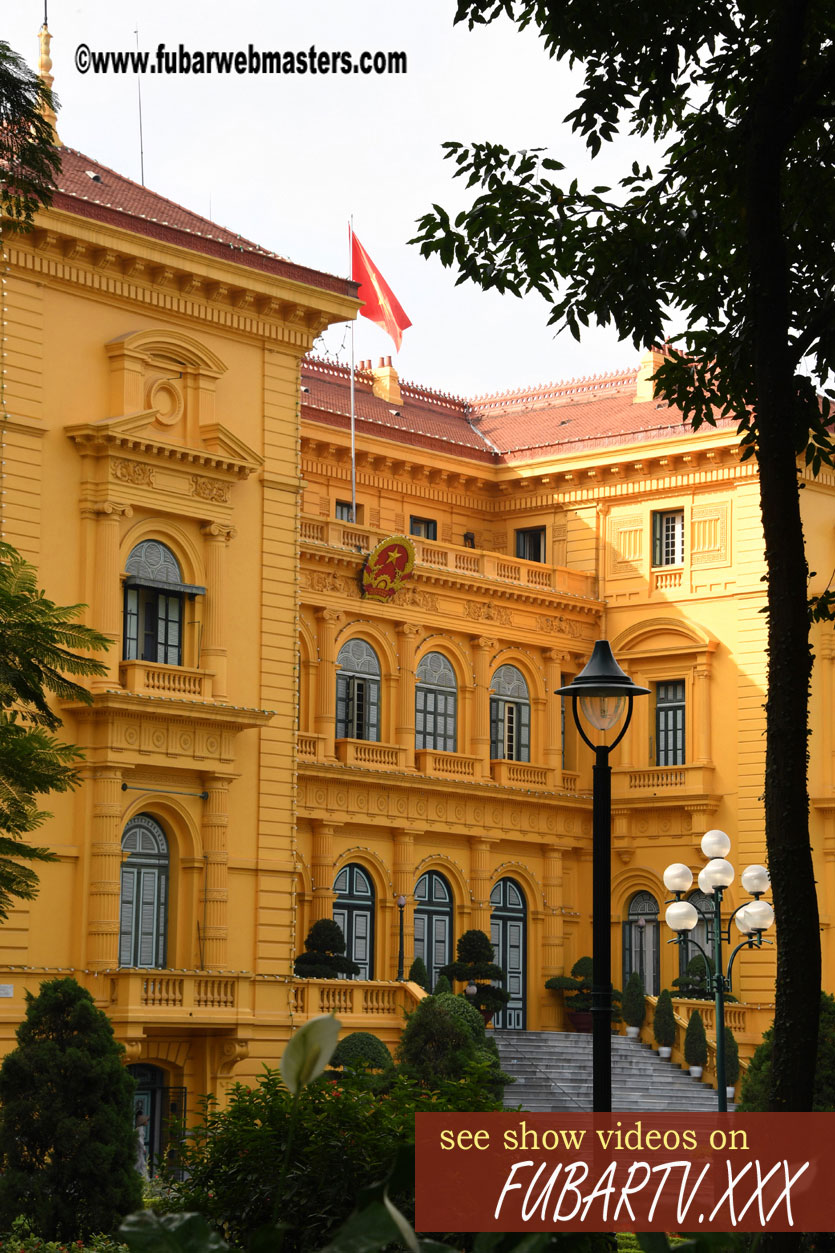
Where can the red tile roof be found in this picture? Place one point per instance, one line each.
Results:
(110, 197)
(515, 426)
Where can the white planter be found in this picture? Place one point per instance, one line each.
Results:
(695, 1072)
(729, 1093)
(665, 1051)
(632, 1033)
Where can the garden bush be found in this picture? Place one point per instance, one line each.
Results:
(361, 1049)
(22, 1239)
(435, 1044)
(756, 1082)
(419, 974)
(464, 1012)
(442, 985)
(67, 1138)
(695, 1041)
(323, 957)
(664, 1022)
(475, 964)
(634, 1005)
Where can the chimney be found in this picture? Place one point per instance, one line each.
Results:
(650, 362)
(386, 382)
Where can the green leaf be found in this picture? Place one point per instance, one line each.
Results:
(147, 1232)
(309, 1051)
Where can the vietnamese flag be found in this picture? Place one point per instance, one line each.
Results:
(381, 304)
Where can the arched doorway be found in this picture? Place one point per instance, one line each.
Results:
(164, 1106)
(640, 941)
(353, 909)
(433, 923)
(508, 925)
(143, 910)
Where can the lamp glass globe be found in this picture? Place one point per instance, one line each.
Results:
(715, 844)
(759, 914)
(681, 916)
(704, 883)
(678, 877)
(602, 711)
(756, 879)
(719, 873)
(741, 921)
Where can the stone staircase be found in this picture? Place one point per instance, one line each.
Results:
(553, 1072)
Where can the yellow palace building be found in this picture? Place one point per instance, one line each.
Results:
(270, 745)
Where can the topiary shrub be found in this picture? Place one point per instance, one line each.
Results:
(443, 985)
(361, 1049)
(577, 988)
(434, 1043)
(464, 1012)
(664, 1022)
(419, 974)
(68, 1146)
(756, 1082)
(695, 1041)
(731, 1058)
(634, 1005)
(696, 983)
(323, 957)
(475, 964)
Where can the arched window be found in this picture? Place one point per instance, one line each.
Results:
(155, 596)
(143, 916)
(353, 909)
(357, 692)
(435, 704)
(510, 716)
(640, 941)
(433, 923)
(508, 927)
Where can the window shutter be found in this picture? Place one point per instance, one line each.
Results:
(658, 539)
(342, 682)
(131, 648)
(148, 905)
(126, 912)
(496, 729)
(524, 733)
(372, 717)
(420, 936)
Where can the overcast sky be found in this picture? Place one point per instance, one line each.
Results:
(285, 160)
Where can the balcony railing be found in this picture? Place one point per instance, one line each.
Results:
(447, 765)
(662, 781)
(521, 774)
(179, 995)
(357, 1003)
(153, 678)
(370, 754)
(469, 562)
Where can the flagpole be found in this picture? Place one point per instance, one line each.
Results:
(353, 412)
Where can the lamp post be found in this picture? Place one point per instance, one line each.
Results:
(401, 905)
(752, 918)
(603, 692)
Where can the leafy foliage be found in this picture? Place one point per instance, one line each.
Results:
(419, 974)
(731, 1058)
(757, 1078)
(723, 248)
(442, 985)
(361, 1048)
(695, 1041)
(578, 988)
(475, 964)
(40, 645)
(67, 1138)
(696, 982)
(664, 1022)
(22, 1239)
(28, 156)
(323, 957)
(634, 1005)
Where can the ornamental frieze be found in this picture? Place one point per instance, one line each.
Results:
(136, 472)
(209, 489)
(565, 626)
(486, 611)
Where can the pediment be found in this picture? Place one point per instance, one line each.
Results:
(217, 447)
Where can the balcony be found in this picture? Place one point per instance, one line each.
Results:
(359, 1004)
(521, 774)
(455, 560)
(154, 679)
(435, 764)
(177, 997)
(666, 782)
(370, 755)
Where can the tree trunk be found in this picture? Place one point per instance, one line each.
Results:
(789, 654)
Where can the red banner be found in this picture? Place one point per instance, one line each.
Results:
(625, 1172)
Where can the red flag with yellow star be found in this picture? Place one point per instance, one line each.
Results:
(381, 304)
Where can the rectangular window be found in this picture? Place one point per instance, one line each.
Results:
(668, 538)
(424, 528)
(357, 708)
(153, 626)
(344, 512)
(530, 544)
(669, 723)
(510, 730)
(434, 719)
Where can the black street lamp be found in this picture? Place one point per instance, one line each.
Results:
(751, 918)
(401, 905)
(603, 691)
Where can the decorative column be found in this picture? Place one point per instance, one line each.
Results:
(407, 637)
(327, 621)
(106, 597)
(701, 711)
(105, 868)
(321, 867)
(482, 648)
(404, 885)
(554, 937)
(480, 883)
(553, 719)
(214, 834)
(214, 644)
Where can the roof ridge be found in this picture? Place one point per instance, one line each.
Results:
(549, 391)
